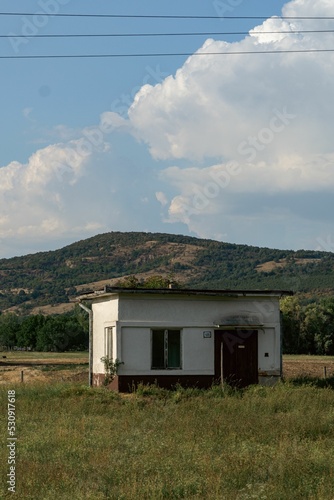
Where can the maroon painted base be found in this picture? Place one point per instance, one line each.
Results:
(127, 383)
(99, 380)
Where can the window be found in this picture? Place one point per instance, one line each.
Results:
(166, 349)
(108, 342)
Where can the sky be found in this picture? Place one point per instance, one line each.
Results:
(232, 147)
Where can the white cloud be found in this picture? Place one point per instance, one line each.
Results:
(208, 191)
(288, 174)
(111, 121)
(162, 198)
(33, 195)
(265, 33)
(250, 202)
(213, 103)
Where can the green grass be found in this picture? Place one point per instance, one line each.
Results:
(29, 355)
(306, 357)
(261, 443)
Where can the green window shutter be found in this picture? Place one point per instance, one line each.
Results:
(158, 349)
(174, 357)
(166, 349)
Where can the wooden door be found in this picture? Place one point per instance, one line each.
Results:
(236, 357)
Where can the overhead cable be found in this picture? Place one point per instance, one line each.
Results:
(204, 33)
(166, 54)
(143, 16)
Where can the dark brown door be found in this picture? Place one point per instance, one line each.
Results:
(236, 357)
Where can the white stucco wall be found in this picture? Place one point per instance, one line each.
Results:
(192, 311)
(104, 314)
(196, 352)
(269, 349)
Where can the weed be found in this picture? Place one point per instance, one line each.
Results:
(110, 368)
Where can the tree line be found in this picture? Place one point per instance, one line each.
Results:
(62, 332)
(308, 328)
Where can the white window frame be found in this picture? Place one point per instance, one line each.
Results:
(108, 342)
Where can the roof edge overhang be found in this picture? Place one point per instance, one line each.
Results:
(109, 291)
(239, 327)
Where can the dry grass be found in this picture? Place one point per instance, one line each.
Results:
(43, 367)
(31, 375)
(307, 366)
(46, 310)
(81, 443)
(281, 263)
(53, 309)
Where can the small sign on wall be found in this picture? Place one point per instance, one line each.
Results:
(207, 334)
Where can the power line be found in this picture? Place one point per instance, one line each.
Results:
(143, 16)
(165, 54)
(204, 33)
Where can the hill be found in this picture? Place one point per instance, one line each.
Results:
(33, 282)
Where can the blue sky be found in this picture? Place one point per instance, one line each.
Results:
(236, 148)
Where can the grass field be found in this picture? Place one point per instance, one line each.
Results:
(19, 356)
(79, 443)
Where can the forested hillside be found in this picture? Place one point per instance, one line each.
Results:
(30, 283)
(58, 276)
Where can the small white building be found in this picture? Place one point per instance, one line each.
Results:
(191, 337)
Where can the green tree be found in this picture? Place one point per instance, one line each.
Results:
(324, 337)
(154, 281)
(292, 316)
(81, 317)
(30, 327)
(312, 329)
(61, 333)
(9, 329)
(159, 281)
(129, 282)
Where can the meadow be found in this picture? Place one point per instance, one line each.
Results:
(258, 443)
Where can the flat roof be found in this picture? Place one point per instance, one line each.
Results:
(109, 290)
